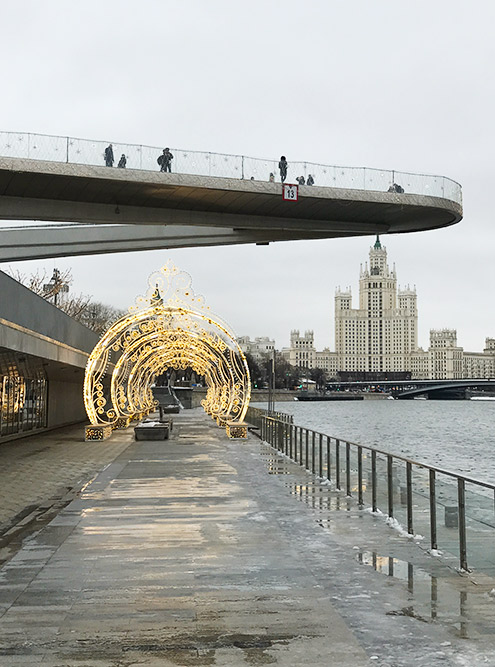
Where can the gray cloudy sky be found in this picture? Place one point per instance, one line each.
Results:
(406, 86)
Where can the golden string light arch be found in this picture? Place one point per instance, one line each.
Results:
(170, 327)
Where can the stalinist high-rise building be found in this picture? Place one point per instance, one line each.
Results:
(381, 334)
(379, 340)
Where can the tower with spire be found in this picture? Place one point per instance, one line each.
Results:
(380, 335)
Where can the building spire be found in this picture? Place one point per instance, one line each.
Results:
(378, 245)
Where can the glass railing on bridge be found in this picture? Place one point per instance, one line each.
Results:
(91, 152)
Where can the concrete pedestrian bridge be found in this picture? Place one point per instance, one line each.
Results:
(209, 199)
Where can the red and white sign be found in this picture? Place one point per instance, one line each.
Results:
(290, 192)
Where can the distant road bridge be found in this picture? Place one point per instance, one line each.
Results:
(210, 199)
(409, 389)
(441, 389)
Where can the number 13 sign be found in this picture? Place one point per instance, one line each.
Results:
(290, 192)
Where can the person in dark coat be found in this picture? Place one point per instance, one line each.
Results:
(109, 156)
(300, 180)
(310, 181)
(122, 162)
(165, 160)
(282, 165)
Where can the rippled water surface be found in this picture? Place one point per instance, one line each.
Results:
(453, 435)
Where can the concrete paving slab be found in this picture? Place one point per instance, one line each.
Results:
(198, 555)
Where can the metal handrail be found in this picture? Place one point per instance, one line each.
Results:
(75, 150)
(313, 451)
(258, 413)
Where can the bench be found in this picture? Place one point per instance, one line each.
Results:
(152, 431)
(169, 408)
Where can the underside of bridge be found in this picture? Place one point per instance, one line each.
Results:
(101, 210)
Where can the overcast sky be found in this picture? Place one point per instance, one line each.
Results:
(405, 86)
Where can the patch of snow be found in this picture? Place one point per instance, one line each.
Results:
(436, 553)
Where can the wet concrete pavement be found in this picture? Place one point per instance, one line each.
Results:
(203, 551)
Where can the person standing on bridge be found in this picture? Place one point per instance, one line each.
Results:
(109, 160)
(282, 165)
(122, 162)
(165, 160)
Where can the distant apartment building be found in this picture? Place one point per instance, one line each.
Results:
(259, 348)
(302, 351)
(445, 360)
(380, 338)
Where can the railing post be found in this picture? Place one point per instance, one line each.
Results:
(337, 463)
(390, 486)
(433, 511)
(306, 443)
(360, 476)
(67, 151)
(410, 528)
(320, 457)
(329, 467)
(313, 452)
(348, 469)
(373, 481)
(242, 166)
(461, 494)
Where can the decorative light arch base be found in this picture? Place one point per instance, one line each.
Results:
(170, 327)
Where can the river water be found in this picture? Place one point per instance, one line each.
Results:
(454, 435)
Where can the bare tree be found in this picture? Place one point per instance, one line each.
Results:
(99, 316)
(95, 315)
(39, 283)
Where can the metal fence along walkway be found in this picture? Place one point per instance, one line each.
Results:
(454, 513)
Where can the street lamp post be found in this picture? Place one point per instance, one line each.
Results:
(271, 384)
(55, 286)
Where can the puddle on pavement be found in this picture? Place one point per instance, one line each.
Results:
(432, 599)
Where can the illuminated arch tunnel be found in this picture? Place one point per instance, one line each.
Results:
(169, 328)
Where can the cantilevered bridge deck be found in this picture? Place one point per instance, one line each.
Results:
(50, 179)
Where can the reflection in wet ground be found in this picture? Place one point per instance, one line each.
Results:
(436, 592)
